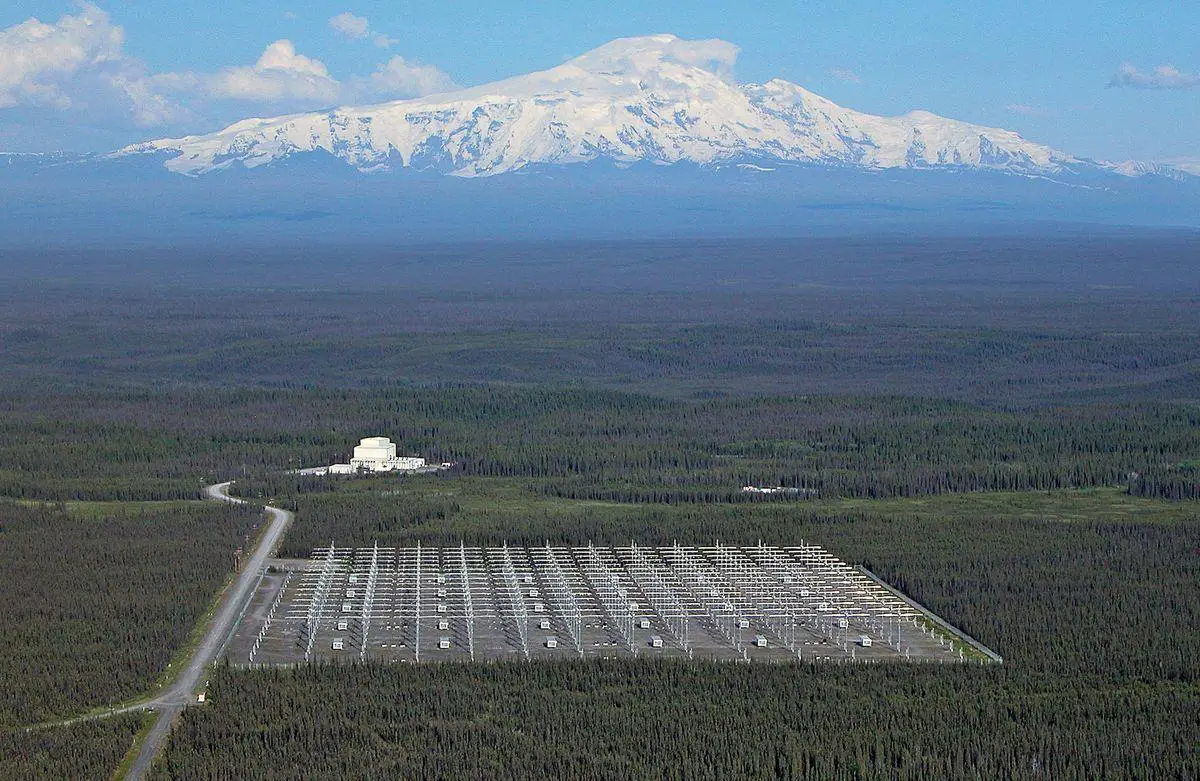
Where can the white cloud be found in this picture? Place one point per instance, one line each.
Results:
(643, 54)
(284, 76)
(148, 107)
(282, 55)
(78, 64)
(846, 75)
(712, 54)
(351, 26)
(399, 78)
(38, 60)
(1162, 77)
(358, 28)
(280, 74)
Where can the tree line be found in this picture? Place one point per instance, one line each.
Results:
(595, 444)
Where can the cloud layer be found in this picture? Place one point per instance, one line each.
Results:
(79, 64)
(280, 74)
(358, 28)
(284, 77)
(36, 58)
(399, 77)
(76, 62)
(1162, 77)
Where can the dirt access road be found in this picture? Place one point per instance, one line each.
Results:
(171, 702)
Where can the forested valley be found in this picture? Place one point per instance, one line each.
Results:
(1007, 431)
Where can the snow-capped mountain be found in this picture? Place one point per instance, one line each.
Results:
(1136, 168)
(657, 98)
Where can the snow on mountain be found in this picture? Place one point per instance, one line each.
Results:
(658, 98)
(1136, 168)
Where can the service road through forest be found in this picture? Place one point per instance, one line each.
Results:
(178, 695)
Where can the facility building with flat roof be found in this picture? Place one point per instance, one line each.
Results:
(377, 454)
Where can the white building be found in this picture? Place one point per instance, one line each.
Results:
(376, 454)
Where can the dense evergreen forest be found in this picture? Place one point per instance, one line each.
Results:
(575, 464)
(1090, 598)
(87, 751)
(1005, 321)
(1008, 430)
(591, 444)
(95, 600)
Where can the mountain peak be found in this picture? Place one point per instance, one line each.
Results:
(656, 98)
(647, 55)
(622, 68)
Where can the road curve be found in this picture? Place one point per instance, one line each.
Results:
(171, 702)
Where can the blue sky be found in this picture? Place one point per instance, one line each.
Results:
(92, 77)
